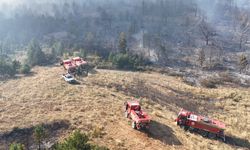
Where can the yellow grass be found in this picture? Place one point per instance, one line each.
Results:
(96, 107)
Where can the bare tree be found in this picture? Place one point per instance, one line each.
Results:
(243, 63)
(207, 31)
(243, 30)
(214, 54)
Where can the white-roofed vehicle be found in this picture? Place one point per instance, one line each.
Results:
(69, 78)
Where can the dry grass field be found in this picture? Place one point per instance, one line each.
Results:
(95, 106)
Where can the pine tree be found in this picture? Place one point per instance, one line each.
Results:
(16, 65)
(77, 141)
(122, 42)
(25, 69)
(111, 56)
(58, 48)
(83, 53)
(35, 54)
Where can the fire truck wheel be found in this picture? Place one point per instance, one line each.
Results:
(178, 123)
(183, 127)
(186, 128)
(204, 133)
(211, 135)
(224, 139)
(134, 125)
(221, 138)
(126, 114)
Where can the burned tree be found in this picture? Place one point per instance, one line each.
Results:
(243, 30)
(201, 57)
(214, 54)
(243, 63)
(207, 31)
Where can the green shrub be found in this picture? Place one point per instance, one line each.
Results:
(16, 65)
(16, 146)
(6, 69)
(77, 141)
(35, 54)
(58, 48)
(94, 59)
(105, 65)
(128, 61)
(122, 61)
(82, 53)
(111, 57)
(25, 69)
(39, 135)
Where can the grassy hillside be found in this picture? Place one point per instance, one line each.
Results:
(96, 107)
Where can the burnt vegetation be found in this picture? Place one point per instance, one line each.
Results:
(165, 33)
(203, 44)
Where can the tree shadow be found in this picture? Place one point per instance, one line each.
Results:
(17, 76)
(25, 135)
(163, 133)
(177, 98)
(30, 74)
(180, 99)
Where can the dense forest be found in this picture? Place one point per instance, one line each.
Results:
(168, 32)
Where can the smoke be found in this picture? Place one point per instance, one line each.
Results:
(207, 8)
(212, 11)
(10, 8)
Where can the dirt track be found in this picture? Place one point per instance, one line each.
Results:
(96, 107)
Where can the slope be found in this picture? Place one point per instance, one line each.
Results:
(96, 107)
